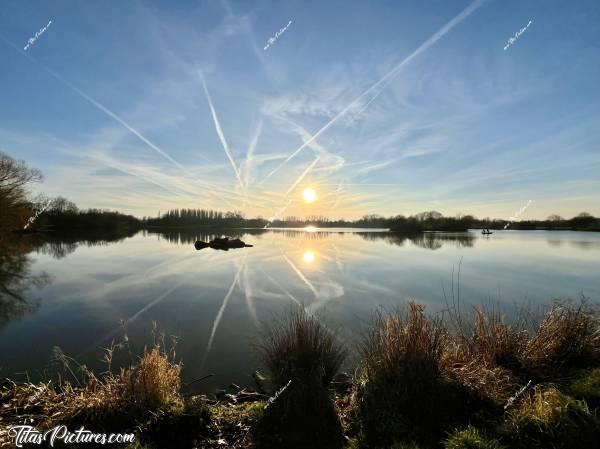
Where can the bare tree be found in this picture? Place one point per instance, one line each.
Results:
(15, 176)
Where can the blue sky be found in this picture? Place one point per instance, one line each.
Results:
(381, 107)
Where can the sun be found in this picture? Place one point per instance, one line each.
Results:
(309, 195)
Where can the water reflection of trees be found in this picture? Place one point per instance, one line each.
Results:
(16, 278)
(186, 237)
(427, 240)
(61, 244)
(190, 237)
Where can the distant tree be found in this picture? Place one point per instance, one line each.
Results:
(584, 220)
(555, 217)
(61, 205)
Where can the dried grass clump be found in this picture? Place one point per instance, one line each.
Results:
(486, 380)
(154, 382)
(401, 389)
(111, 401)
(568, 336)
(495, 341)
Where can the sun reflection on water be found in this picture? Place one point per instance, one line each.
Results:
(308, 256)
(310, 229)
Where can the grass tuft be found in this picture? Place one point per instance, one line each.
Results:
(154, 382)
(400, 385)
(301, 349)
(568, 336)
(586, 386)
(549, 418)
(301, 357)
(471, 438)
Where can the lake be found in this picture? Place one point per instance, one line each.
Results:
(74, 293)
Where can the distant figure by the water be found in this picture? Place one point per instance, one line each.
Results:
(487, 232)
(223, 244)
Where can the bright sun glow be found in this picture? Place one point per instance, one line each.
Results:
(308, 256)
(310, 229)
(309, 195)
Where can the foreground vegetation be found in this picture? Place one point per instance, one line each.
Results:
(444, 381)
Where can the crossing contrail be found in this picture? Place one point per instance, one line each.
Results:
(301, 177)
(300, 275)
(387, 77)
(220, 132)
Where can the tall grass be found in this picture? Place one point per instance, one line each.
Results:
(154, 381)
(401, 386)
(301, 354)
(568, 336)
(301, 349)
(109, 401)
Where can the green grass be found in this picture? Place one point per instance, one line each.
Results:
(471, 438)
(586, 386)
(551, 419)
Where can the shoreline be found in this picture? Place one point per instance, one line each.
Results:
(482, 380)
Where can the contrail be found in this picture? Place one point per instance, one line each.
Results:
(301, 177)
(99, 106)
(247, 287)
(250, 154)
(280, 287)
(219, 317)
(279, 212)
(300, 275)
(132, 318)
(220, 132)
(424, 46)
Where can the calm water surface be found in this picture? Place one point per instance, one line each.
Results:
(73, 295)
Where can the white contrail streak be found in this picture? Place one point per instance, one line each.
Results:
(219, 317)
(300, 275)
(220, 131)
(133, 317)
(250, 154)
(277, 214)
(301, 177)
(280, 287)
(424, 46)
(109, 113)
(248, 293)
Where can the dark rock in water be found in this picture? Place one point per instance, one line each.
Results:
(201, 245)
(223, 244)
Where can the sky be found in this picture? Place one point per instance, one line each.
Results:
(380, 107)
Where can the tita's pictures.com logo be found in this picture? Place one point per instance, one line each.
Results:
(24, 434)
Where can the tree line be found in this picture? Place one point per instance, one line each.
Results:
(18, 209)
